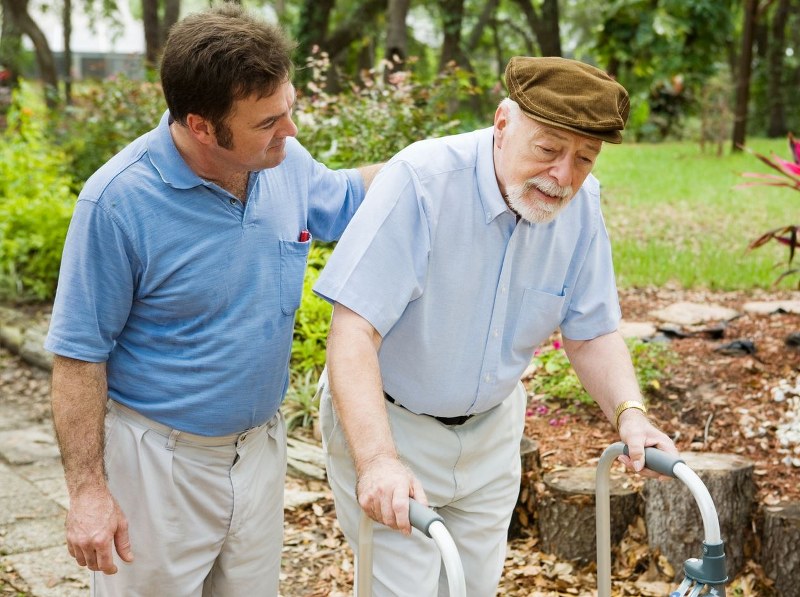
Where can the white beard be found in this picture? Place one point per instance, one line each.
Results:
(533, 209)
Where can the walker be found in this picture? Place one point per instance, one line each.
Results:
(704, 576)
(430, 523)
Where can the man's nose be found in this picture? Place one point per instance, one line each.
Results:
(562, 171)
(289, 128)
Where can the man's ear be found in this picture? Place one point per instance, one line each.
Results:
(501, 120)
(201, 129)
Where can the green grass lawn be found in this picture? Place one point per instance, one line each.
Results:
(674, 215)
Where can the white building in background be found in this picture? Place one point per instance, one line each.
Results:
(100, 48)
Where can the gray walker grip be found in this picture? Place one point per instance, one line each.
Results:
(422, 518)
(658, 461)
(426, 521)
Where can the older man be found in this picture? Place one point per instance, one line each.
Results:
(468, 252)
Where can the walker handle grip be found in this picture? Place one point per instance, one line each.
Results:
(658, 460)
(422, 517)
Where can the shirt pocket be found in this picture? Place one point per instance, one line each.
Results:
(539, 316)
(294, 255)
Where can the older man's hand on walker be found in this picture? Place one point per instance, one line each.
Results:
(638, 433)
(383, 489)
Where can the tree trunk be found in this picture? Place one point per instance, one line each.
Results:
(152, 33)
(10, 48)
(780, 546)
(452, 21)
(566, 511)
(544, 26)
(776, 94)
(525, 510)
(44, 56)
(674, 525)
(312, 29)
(743, 76)
(172, 10)
(486, 17)
(66, 17)
(353, 26)
(396, 35)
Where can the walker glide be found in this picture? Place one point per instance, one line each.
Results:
(705, 576)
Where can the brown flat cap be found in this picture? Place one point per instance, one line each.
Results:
(570, 95)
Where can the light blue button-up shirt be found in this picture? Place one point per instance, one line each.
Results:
(188, 294)
(459, 290)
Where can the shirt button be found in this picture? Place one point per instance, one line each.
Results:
(496, 333)
(487, 378)
(232, 201)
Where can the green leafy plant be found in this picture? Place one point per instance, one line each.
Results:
(371, 119)
(555, 378)
(313, 318)
(36, 202)
(788, 176)
(301, 405)
(103, 118)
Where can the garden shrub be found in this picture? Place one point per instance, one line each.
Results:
(103, 118)
(554, 377)
(372, 120)
(36, 202)
(313, 318)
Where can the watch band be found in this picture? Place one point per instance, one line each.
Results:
(623, 406)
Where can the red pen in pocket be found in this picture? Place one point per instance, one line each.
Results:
(305, 235)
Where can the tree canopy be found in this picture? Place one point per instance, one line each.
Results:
(674, 56)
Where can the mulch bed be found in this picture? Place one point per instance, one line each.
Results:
(707, 401)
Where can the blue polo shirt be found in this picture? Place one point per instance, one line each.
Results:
(459, 290)
(188, 294)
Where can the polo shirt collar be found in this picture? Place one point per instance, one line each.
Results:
(491, 198)
(166, 158)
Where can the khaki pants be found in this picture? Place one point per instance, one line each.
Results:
(471, 475)
(205, 514)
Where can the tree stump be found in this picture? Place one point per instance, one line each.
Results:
(525, 510)
(674, 524)
(566, 512)
(780, 546)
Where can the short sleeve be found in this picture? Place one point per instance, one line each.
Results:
(95, 288)
(594, 304)
(380, 264)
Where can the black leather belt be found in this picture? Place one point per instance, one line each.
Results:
(443, 420)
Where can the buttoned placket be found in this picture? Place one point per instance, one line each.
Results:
(494, 340)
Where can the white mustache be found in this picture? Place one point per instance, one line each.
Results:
(548, 187)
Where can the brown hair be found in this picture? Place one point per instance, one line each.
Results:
(223, 54)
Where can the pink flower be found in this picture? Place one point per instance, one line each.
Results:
(789, 167)
(556, 344)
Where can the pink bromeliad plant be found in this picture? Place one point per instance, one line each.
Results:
(788, 176)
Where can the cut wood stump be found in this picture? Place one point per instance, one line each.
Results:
(566, 512)
(525, 510)
(674, 524)
(780, 547)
